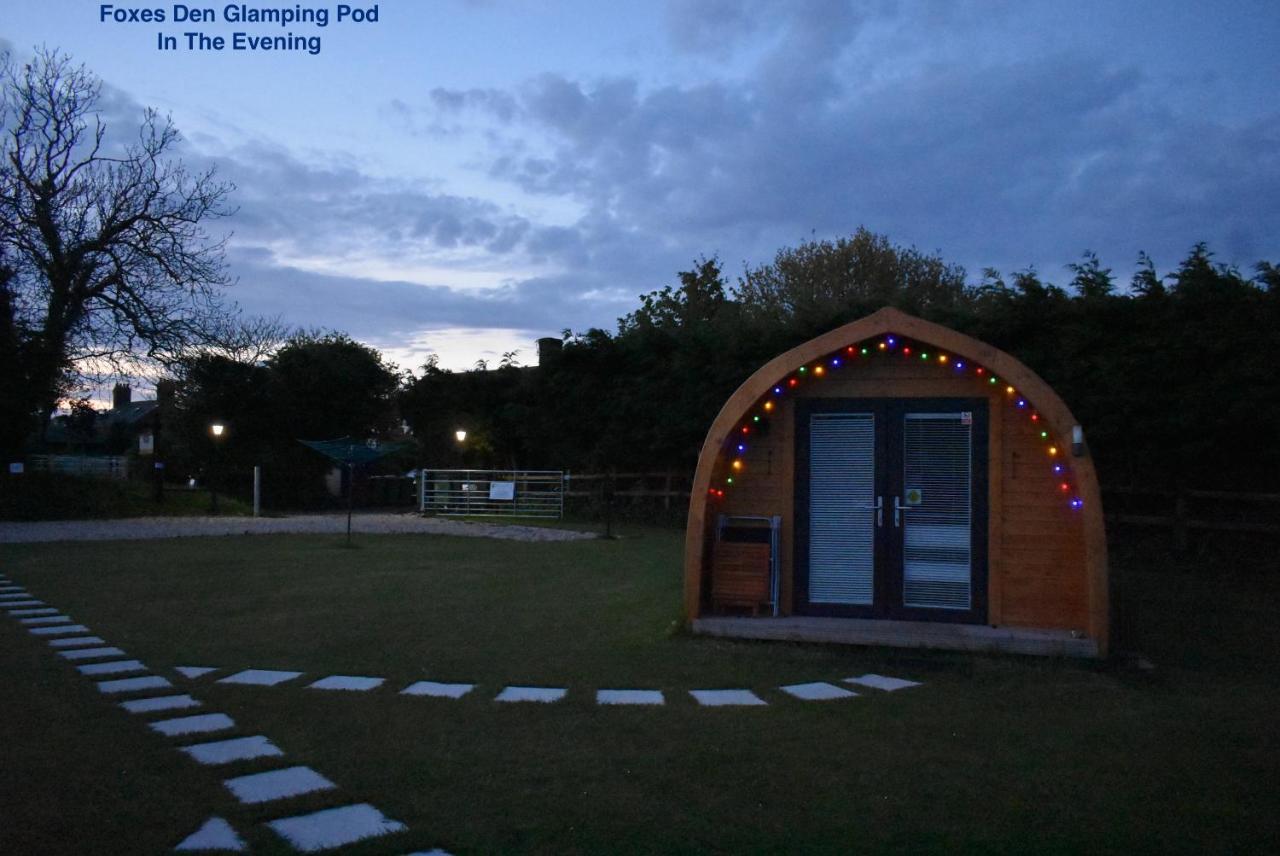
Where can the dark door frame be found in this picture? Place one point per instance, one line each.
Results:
(887, 590)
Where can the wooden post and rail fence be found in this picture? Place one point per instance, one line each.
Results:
(1183, 511)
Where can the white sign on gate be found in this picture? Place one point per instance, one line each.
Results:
(502, 490)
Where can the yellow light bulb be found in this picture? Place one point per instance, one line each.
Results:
(737, 465)
(1009, 390)
(1053, 450)
(768, 405)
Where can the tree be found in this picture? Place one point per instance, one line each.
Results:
(328, 385)
(699, 300)
(820, 283)
(1092, 281)
(110, 263)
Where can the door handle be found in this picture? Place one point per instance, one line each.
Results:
(878, 508)
(898, 508)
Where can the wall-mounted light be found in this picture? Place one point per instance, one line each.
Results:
(217, 429)
(461, 435)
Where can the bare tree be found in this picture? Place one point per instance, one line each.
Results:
(110, 261)
(247, 339)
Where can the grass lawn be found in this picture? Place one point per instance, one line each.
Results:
(993, 754)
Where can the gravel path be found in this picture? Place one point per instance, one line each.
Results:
(336, 524)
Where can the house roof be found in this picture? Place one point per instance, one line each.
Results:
(128, 418)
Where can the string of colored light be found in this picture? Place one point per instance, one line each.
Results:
(887, 345)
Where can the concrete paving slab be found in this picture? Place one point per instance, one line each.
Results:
(334, 827)
(437, 690)
(277, 785)
(45, 619)
(817, 691)
(194, 672)
(235, 749)
(90, 653)
(215, 834)
(260, 677)
(350, 683)
(115, 667)
(133, 685)
(58, 630)
(726, 698)
(155, 705)
(545, 695)
(880, 682)
(73, 641)
(22, 613)
(629, 697)
(201, 723)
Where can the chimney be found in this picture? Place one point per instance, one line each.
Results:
(165, 391)
(120, 396)
(549, 349)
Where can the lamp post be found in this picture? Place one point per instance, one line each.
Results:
(461, 436)
(216, 430)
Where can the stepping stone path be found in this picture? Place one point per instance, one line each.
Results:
(818, 691)
(347, 682)
(235, 749)
(90, 653)
(46, 619)
(880, 682)
(546, 695)
(117, 667)
(317, 831)
(201, 723)
(334, 827)
(726, 698)
(260, 677)
(277, 784)
(321, 830)
(215, 834)
(431, 688)
(73, 641)
(154, 705)
(629, 697)
(133, 685)
(59, 630)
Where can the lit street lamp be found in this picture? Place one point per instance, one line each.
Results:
(216, 430)
(461, 435)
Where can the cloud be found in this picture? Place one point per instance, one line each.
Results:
(1003, 161)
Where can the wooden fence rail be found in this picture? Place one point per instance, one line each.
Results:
(1214, 506)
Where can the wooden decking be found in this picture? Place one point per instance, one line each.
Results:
(901, 634)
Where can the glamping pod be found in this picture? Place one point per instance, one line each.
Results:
(895, 482)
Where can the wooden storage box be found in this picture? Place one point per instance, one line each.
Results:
(740, 575)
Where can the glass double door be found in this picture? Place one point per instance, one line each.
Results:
(891, 508)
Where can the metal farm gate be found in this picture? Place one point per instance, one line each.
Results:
(492, 493)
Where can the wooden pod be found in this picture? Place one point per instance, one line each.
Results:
(1039, 549)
